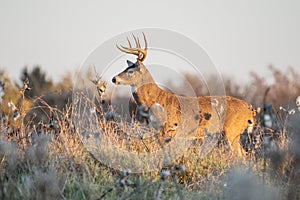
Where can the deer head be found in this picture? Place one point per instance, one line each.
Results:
(136, 73)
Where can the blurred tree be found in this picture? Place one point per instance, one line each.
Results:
(11, 92)
(37, 82)
(66, 84)
(11, 96)
(284, 88)
(198, 85)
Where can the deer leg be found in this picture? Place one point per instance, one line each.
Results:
(233, 138)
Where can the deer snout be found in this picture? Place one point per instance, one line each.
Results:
(115, 80)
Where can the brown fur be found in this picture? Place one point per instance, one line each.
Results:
(196, 116)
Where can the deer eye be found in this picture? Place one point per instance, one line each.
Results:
(130, 71)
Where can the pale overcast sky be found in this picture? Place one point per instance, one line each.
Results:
(239, 36)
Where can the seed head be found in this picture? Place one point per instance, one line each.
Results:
(298, 101)
(164, 174)
(125, 172)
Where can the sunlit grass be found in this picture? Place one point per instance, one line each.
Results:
(50, 159)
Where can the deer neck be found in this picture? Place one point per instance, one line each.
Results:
(145, 93)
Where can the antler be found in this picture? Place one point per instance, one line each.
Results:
(138, 51)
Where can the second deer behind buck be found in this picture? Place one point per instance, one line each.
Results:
(207, 116)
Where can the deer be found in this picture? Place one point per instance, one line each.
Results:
(206, 118)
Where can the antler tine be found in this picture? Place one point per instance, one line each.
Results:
(146, 43)
(139, 44)
(136, 41)
(138, 51)
(123, 50)
(129, 42)
(127, 50)
(132, 50)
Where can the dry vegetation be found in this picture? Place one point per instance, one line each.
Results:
(43, 156)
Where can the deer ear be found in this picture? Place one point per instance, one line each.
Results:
(129, 63)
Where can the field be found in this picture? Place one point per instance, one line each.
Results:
(44, 155)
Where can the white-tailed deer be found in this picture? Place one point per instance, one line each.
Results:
(239, 115)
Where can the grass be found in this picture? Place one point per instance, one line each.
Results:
(58, 166)
(57, 159)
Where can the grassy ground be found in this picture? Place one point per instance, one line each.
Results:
(48, 158)
(50, 163)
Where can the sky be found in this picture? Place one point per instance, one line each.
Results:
(239, 36)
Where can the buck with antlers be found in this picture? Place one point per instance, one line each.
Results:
(198, 115)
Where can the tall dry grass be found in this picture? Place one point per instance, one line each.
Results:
(48, 159)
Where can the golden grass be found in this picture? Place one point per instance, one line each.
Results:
(60, 166)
